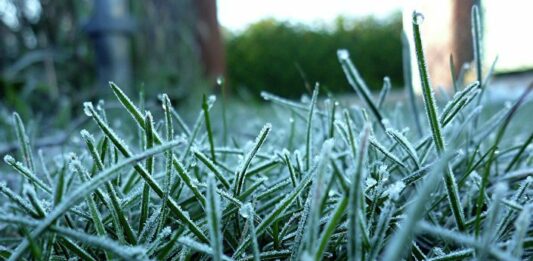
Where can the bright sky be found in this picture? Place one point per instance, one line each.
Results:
(506, 22)
(238, 14)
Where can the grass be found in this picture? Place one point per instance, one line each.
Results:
(311, 179)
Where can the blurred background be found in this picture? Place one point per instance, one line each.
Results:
(56, 54)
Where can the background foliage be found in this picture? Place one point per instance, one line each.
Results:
(277, 56)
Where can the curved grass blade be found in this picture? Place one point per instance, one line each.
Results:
(240, 175)
(82, 191)
(27, 173)
(180, 122)
(406, 145)
(119, 250)
(211, 166)
(20, 202)
(199, 247)
(281, 207)
(330, 227)
(24, 142)
(137, 116)
(462, 239)
(358, 84)
(169, 131)
(519, 154)
(145, 202)
(214, 219)
(355, 196)
(416, 211)
(319, 191)
(499, 136)
(93, 209)
(377, 145)
(124, 230)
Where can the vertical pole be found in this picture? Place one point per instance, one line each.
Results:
(109, 28)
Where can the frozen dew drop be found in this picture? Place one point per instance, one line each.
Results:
(396, 189)
(386, 122)
(160, 97)
(370, 182)
(343, 54)
(305, 99)
(211, 100)
(438, 251)
(100, 105)
(76, 140)
(88, 108)
(246, 210)
(508, 104)
(164, 100)
(220, 81)
(500, 188)
(265, 96)
(9, 159)
(418, 18)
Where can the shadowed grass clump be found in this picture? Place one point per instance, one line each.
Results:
(334, 182)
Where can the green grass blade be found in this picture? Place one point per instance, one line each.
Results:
(14, 198)
(355, 193)
(24, 142)
(358, 84)
(27, 173)
(211, 166)
(406, 145)
(499, 136)
(396, 249)
(82, 191)
(241, 172)
(319, 191)
(93, 209)
(169, 132)
(205, 108)
(281, 207)
(407, 76)
(309, 132)
(199, 247)
(149, 179)
(181, 122)
(145, 202)
(247, 212)
(214, 220)
(384, 92)
(431, 112)
(139, 168)
(330, 227)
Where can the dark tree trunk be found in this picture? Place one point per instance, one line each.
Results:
(209, 38)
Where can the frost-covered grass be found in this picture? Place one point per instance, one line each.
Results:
(333, 182)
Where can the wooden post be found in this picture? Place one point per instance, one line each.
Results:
(446, 31)
(210, 39)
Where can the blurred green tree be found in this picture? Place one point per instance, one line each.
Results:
(283, 58)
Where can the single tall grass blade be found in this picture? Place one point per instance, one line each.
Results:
(431, 112)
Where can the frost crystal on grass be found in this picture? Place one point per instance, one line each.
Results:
(376, 193)
(395, 189)
(343, 54)
(87, 106)
(246, 210)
